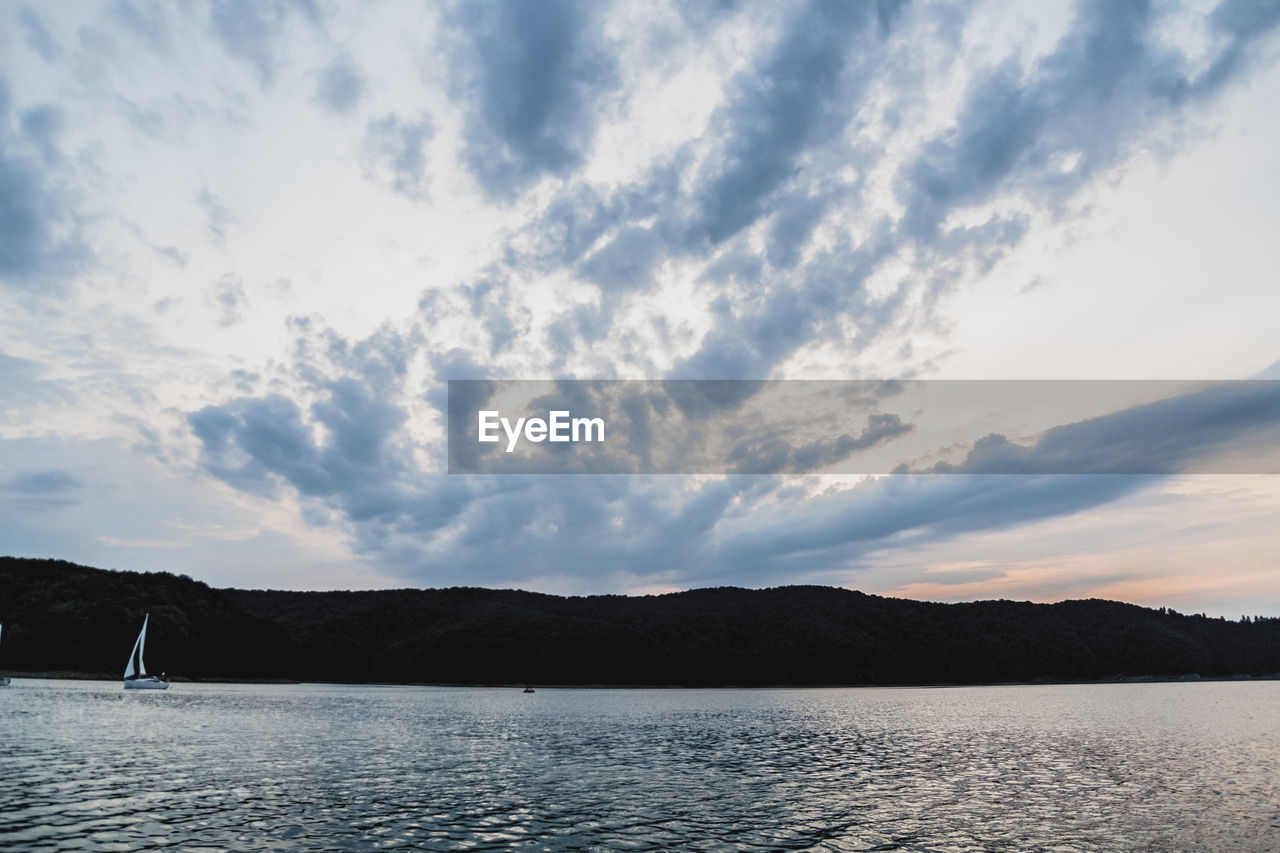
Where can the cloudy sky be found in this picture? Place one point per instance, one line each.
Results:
(243, 245)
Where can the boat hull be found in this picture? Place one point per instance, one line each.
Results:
(152, 683)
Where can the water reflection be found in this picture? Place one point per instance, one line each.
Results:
(308, 767)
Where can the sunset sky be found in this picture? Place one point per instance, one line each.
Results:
(243, 246)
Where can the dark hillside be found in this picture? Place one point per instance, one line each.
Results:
(61, 616)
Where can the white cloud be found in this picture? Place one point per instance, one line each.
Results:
(630, 190)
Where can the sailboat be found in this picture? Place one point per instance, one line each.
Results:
(4, 681)
(135, 672)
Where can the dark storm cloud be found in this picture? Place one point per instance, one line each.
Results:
(395, 154)
(40, 240)
(340, 85)
(533, 73)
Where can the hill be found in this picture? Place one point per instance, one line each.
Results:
(60, 616)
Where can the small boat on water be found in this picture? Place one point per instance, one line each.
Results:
(135, 672)
(4, 680)
(527, 690)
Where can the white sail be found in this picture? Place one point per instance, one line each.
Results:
(135, 671)
(135, 668)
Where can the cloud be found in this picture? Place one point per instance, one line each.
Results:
(346, 447)
(41, 242)
(799, 97)
(229, 296)
(44, 482)
(340, 85)
(260, 444)
(771, 141)
(776, 455)
(38, 38)
(1242, 23)
(43, 490)
(22, 386)
(251, 30)
(216, 216)
(750, 341)
(753, 530)
(395, 155)
(626, 262)
(1170, 436)
(710, 190)
(903, 511)
(533, 76)
(148, 21)
(1107, 87)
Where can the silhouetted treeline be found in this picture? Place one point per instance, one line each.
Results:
(59, 616)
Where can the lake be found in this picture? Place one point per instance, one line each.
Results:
(1179, 766)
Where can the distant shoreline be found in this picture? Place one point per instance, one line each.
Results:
(68, 675)
(1190, 678)
(74, 621)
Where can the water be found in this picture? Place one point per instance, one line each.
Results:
(1188, 766)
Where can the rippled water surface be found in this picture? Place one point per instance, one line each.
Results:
(1188, 766)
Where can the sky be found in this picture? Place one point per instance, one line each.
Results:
(244, 245)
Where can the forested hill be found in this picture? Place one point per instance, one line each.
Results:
(62, 617)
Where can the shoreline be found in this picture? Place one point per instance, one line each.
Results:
(1191, 678)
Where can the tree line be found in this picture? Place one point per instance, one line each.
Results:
(61, 617)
